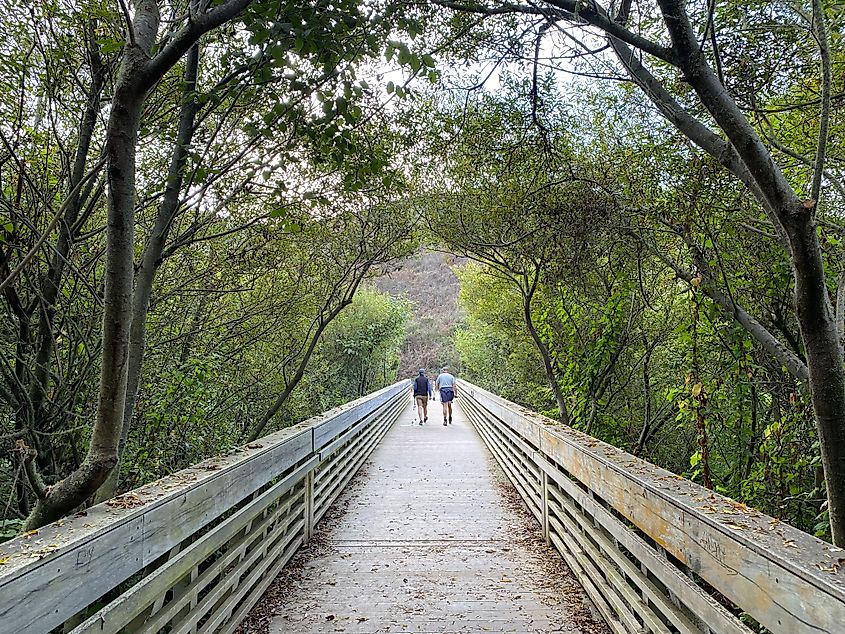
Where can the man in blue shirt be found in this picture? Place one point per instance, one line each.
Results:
(446, 386)
(422, 392)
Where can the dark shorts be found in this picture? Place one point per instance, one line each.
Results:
(446, 394)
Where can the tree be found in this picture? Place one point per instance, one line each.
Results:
(517, 204)
(358, 354)
(343, 253)
(694, 56)
(237, 115)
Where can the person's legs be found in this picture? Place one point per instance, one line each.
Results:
(425, 410)
(446, 396)
(420, 408)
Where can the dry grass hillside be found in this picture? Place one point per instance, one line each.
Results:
(428, 282)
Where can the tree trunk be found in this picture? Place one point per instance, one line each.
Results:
(323, 323)
(527, 296)
(139, 72)
(824, 361)
(151, 260)
(102, 454)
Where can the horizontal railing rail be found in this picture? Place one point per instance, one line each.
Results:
(655, 552)
(194, 551)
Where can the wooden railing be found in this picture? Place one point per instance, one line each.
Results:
(194, 551)
(655, 552)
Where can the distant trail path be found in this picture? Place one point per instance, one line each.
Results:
(430, 538)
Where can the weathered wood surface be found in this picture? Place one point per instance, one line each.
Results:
(49, 577)
(431, 538)
(592, 495)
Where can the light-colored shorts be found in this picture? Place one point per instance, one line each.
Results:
(421, 400)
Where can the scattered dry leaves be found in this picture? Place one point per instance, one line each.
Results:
(125, 501)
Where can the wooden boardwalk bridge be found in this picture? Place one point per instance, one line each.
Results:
(427, 538)
(425, 542)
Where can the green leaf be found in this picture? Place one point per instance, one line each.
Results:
(110, 46)
(695, 459)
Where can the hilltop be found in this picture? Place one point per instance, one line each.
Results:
(427, 280)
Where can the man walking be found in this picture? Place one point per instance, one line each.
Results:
(422, 391)
(446, 386)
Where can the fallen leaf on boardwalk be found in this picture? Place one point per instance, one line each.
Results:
(505, 580)
(30, 533)
(3, 560)
(330, 617)
(127, 501)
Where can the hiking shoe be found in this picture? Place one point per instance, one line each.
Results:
(444, 422)
(450, 420)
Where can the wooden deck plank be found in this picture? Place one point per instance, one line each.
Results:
(431, 538)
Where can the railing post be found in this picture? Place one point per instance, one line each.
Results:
(308, 483)
(544, 492)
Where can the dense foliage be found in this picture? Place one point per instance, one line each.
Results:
(579, 243)
(200, 259)
(193, 197)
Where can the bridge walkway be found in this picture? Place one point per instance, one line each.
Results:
(431, 537)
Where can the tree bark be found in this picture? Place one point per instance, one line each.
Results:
(151, 260)
(122, 131)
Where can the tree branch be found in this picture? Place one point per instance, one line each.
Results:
(185, 38)
(27, 456)
(824, 115)
(766, 339)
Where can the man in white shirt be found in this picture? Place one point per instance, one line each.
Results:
(446, 386)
